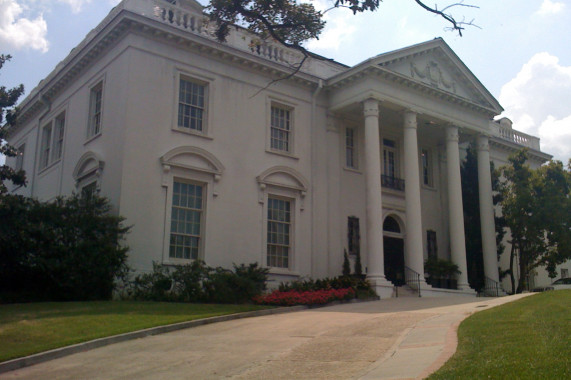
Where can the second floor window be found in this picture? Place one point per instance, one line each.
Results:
(426, 167)
(350, 148)
(57, 136)
(280, 128)
(95, 108)
(45, 147)
(389, 158)
(191, 105)
(20, 157)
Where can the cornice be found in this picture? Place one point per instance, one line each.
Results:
(417, 85)
(511, 147)
(119, 23)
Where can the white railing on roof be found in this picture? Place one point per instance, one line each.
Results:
(193, 21)
(519, 138)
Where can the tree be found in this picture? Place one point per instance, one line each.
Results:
(67, 249)
(472, 226)
(291, 22)
(8, 113)
(537, 208)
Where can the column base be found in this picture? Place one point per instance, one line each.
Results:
(381, 286)
(465, 288)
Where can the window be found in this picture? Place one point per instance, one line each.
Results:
(389, 158)
(45, 146)
(431, 248)
(280, 128)
(95, 106)
(279, 232)
(426, 167)
(353, 236)
(58, 132)
(350, 148)
(89, 190)
(191, 105)
(186, 221)
(564, 272)
(20, 158)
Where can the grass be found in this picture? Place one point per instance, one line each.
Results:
(526, 339)
(26, 329)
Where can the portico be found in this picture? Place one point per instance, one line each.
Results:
(394, 100)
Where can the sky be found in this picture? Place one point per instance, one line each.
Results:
(519, 50)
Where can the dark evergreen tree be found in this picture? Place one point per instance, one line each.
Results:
(8, 113)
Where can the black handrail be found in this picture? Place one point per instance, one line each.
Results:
(412, 279)
(392, 182)
(491, 287)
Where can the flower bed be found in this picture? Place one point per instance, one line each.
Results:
(310, 297)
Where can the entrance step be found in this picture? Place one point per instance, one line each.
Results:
(404, 291)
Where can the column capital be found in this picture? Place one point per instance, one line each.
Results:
(410, 119)
(452, 133)
(371, 107)
(483, 143)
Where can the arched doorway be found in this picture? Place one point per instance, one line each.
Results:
(393, 245)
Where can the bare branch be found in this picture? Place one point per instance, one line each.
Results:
(459, 26)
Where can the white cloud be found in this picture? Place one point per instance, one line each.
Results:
(549, 7)
(537, 101)
(75, 5)
(19, 32)
(337, 30)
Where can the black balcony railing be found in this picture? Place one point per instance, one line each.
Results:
(392, 182)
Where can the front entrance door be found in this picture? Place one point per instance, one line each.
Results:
(394, 260)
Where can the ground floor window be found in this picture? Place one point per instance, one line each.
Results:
(186, 220)
(432, 248)
(279, 232)
(353, 235)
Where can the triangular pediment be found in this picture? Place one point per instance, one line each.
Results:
(435, 65)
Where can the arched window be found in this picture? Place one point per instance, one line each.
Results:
(391, 225)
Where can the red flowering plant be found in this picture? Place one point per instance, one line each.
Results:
(309, 297)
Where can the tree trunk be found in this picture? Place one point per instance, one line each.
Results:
(512, 278)
(522, 272)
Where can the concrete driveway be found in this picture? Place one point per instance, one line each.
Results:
(397, 338)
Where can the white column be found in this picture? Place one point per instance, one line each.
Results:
(375, 257)
(455, 209)
(487, 210)
(414, 258)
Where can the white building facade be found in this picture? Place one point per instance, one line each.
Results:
(208, 157)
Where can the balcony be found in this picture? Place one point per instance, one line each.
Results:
(392, 182)
(518, 137)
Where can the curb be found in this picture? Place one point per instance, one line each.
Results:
(41, 357)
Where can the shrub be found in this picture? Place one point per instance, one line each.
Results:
(64, 250)
(196, 282)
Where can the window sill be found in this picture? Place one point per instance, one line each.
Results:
(171, 261)
(427, 187)
(45, 170)
(282, 153)
(283, 272)
(192, 133)
(353, 170)
(90, 139)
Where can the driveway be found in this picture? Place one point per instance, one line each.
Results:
(395, 338)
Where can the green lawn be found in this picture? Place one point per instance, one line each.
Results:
(30, 328)
(526, 339)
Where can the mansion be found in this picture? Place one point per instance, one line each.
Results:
(208, 157)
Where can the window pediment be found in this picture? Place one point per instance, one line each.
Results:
(90, 164)
(193, 158)
(282, 176)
